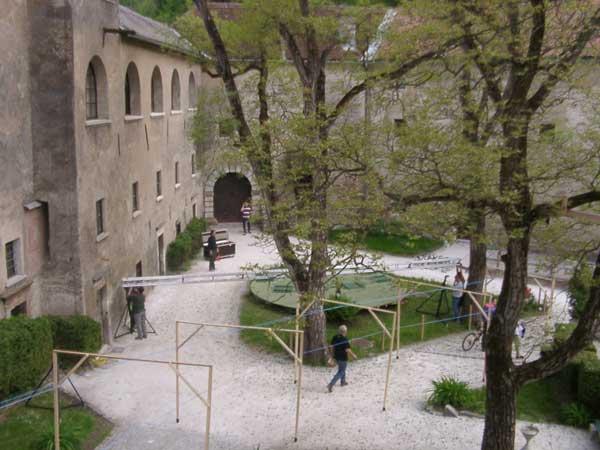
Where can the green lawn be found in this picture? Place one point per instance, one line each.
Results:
(256, 312)
(539, 401)
(392, 239)
(22, 427)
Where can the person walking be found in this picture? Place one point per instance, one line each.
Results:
(138, 306)
(341, 352)
(519, 334)
(129, 293)
(212, 250)
(246, 212)
(457, 293)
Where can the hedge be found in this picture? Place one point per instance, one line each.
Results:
(25, 353)
(78, 333)
(588, 389)
(186, 245)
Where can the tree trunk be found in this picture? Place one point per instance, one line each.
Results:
(477, 258)
(501, 385)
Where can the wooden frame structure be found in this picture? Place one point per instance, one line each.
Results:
(372, 310)
(296, 355)
(173, 365)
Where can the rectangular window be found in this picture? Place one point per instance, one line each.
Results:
(194, 210)
(193, 163)
(177, 228)
(176, 173)
(12, 258)
(100, 217)
(158, 184)
(138, 269)
(134, 197)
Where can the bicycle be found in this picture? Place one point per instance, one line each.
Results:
(471, 339)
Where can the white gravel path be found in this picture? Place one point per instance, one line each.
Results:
(254, 396)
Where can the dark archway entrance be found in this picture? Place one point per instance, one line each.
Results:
(231, 190)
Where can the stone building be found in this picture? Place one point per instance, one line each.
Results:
(97, 172)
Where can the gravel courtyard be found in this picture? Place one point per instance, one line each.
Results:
(254, 395)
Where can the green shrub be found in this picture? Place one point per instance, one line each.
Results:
(69, 439)
(450, 391)
(179, 251)
(575, 415)
(579, 289)
(78, 333)
(195, 229)
(25, 353)
(341, 314)
(562, 331)
(588, 387)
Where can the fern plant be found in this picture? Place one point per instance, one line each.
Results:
(69, 439)
(576, 415)
(450, 391)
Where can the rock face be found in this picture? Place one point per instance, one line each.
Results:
(449, 411)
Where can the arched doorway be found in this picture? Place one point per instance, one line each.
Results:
(231, 190)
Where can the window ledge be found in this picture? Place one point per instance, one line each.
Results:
(192, 109)
(14, 280)
(159, 199)
(177, 186)
(97, 122)
(102, 236)
(133, 118)
(157, 115)
(176, 112)
(137, 213)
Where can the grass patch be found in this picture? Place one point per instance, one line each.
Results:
(539, 401)
(22, 427)
(390, 238)
(259, 313)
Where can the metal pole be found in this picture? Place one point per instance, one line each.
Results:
(299, 387)
(208, 408)
(56, 401)
(470, 315)
(177, 373)
(389, 366)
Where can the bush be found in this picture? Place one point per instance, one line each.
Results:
(575, 415)
(450, 391)
(339, 313)
(579, 289)
(179, 251)
(69, 439)
(588, 387)
(25, 353)
(77, 333)
(195, 229)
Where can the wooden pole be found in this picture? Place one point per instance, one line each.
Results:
(296, 341)
(299, 387)
(177, 373)
(422, 326)
(208, 408)
(389, 365)
(56, 400)
(398, 315)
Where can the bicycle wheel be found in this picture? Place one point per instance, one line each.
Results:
(469, 341)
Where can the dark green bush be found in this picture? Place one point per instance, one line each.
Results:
(579, 289)
(588, 388)
(78, 333)
(575, 415)
(195, 229)
(339, 313)
(179, 251)
(70, 439)
(450, 391)
(25, 353)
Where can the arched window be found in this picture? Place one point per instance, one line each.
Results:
(96, 104)
(192, 92)
(91, 94)
(157, 93)
(175, 92)
(132, 91)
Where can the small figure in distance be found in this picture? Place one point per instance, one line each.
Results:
(138, 305)
(212, 250)
(457, 293)
(341, 351)
(129, 293)
(246, 212)
(519, 334)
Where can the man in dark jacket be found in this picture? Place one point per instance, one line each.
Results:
(138, 301)
(212, 250)
(341, 351)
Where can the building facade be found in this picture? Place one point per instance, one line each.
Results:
(98, 173)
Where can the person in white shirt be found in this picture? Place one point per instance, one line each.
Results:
(457, 293)
(519, 334)
(246, 212)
